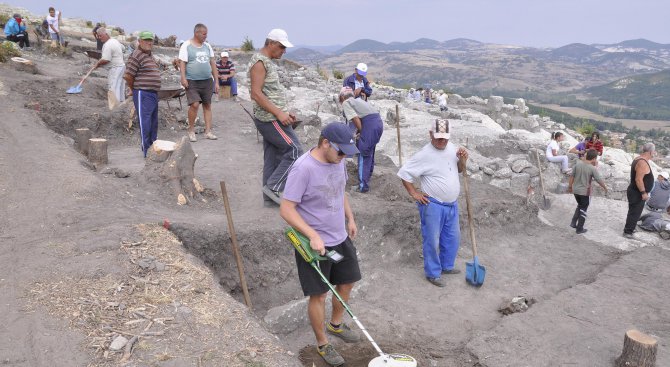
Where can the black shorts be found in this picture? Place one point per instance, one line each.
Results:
(200, 91)
(344, 272)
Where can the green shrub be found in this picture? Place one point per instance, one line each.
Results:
(4, 18)
(337, 74)
(8, 50)
(89, 24)
(247, 45)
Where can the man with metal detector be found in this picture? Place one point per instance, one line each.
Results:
(314, 203)
(437, 166)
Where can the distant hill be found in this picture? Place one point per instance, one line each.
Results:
(643, 43)
(305, 56)
(577, 52)
(363, 45)
(644, 96)
(322, 49)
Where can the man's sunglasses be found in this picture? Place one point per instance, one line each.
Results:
(340, 153)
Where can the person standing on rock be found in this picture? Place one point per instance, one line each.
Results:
(552, 152)
(112, 54)
(580, 185)
(641, 183)
(358, 82)
(200, 78)
(281, 146)
(368, 126)
(315, 204)
(437, 166)
(143, 78)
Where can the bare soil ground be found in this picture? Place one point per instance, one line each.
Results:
(75, 242)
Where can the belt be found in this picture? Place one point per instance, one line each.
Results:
(433, 200)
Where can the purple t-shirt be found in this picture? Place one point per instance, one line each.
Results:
(318, 188)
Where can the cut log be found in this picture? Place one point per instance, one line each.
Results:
(97, 151)
(639, 350)
(81, 140)
(172, 165)
(224, 92)
(160, 150)
(21, 64)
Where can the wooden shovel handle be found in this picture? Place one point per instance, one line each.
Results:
(469, 208)
(86, 76)
(539, 167)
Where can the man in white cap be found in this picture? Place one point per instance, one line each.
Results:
(281, 146)
(660, 194)
(437, 166)
(358, 82)
(227, 74)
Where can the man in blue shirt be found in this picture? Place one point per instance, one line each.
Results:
(15, 31)
(358, 82)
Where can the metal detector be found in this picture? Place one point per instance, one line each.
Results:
(301, 244)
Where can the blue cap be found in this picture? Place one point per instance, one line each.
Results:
(340, 134)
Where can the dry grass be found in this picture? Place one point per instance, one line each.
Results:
(161, 308)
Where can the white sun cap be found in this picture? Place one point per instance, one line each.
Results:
(224, 54)
(362, 69)
(280, 36)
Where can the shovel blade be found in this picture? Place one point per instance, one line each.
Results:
(545, 203)
(74, 90)
(474, 272)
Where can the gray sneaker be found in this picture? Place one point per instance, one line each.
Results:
(274, 195)
(330, 355)
(343, 332)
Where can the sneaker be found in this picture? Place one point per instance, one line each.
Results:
(628, 235)
(437, 282)
(362, 191)
(583, 230)
(191, 136)
(451, 271)
(573, 225)
(330, 355)
(235, 99)
(343, 332)
(274, 195)
(210, 136)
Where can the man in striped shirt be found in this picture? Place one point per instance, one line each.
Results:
(144, 81)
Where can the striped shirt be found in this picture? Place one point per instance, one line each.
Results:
(225, 69)
(143, 68)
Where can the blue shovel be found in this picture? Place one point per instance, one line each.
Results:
(474, 272)
(77, 89)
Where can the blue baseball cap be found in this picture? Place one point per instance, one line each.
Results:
(340, 134)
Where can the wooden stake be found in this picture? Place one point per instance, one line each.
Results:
(639, 350)
(97, 151)
(81, 140)
(236, 249)
(397, 125)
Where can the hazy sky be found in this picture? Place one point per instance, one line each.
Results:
(544, 23)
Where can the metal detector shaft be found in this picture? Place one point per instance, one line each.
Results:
(346, 307)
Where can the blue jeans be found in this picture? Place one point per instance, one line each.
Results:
(371, 133)
(233, 85)
(441, 236)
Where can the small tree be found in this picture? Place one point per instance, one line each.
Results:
(247, 45)
(337, 74)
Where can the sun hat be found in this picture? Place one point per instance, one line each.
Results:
(280, 36)
(665, 175)
(440, 129)
(146, 35)
(224, 54)
(361, 69)
(340, 134)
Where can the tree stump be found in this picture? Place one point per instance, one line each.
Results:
(639, 350)
(25, 65)
(81, 140)
(97, 151)
(173, 165)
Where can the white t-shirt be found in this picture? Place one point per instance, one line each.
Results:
(53, 22)
(553, 145)
(437, 170)
(112, 50)
(442, 101)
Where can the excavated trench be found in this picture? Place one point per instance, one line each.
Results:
(389, 251)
